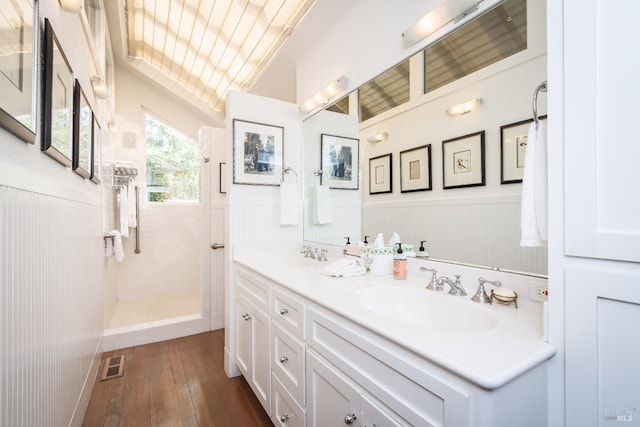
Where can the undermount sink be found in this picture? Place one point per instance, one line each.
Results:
(426, 309)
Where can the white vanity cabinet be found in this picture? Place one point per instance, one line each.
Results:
(253, 342)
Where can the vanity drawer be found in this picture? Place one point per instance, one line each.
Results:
(255, 287)
(285, 411)
(393, 376)
(288, 311)
(288, 361)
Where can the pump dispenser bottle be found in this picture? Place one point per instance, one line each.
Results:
(345, 250)
(422, 253)
(399, 264)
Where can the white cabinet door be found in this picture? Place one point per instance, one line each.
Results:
(253, 339)
(333, 400)
(243, 339)
(261, 369)
(374, 415)
(601, 88)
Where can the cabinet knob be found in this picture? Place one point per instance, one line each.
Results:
(349, 418)
(284, 311)
(284, 418)
(246, 316)
(284, 359)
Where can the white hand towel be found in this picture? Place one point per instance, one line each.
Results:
(322, 204)
(124, 211)
(288, 203)
(533, 225)
(133, 221)
(108, 248)
(118, 250)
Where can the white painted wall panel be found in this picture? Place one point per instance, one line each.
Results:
(51, 253)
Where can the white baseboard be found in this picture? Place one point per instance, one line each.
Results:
(85, 395)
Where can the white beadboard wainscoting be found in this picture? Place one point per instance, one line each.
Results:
(51, 263)
(482, 231)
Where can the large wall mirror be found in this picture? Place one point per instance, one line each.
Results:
(496, 60)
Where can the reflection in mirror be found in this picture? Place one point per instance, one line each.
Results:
(499, 57)
(345, 203)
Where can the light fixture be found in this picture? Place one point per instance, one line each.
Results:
(451, 10)
(112, 126)
(464, 107)
(71, 5)
(378, 137)
(100, 88)
(323, 97)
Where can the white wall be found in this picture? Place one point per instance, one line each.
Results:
(252, 210)
(52, 264)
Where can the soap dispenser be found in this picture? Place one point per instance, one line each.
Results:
(399, 264)
(345, 250)
(422, 253)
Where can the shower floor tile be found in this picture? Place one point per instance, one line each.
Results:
(131, 312)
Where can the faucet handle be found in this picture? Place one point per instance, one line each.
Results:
(323, 255)
(433, 284)
(481, 294)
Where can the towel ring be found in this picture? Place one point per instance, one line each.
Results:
(321, 173)
(285, 171)
(542, 87)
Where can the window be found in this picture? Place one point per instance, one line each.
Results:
(341, 106)
(496, 35)
(173, 163)
(384, 92)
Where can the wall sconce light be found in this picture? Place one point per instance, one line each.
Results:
(451, 10)
(71, 5)
(100, 88)
(464, 107)
(112, 126)
(325, 95)
(378, 137)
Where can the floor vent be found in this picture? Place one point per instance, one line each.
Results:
(113, 367)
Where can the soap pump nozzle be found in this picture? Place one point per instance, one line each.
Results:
(365, 240)
(348, 241)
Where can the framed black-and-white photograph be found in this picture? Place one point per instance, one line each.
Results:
(57, 100)
(96, 151)
(223, 177)
(258, 153)
(18, 64)
(82, 133)
(513, 145)
(415, 169)
(380, 174)
(463, 161)
(339, 156)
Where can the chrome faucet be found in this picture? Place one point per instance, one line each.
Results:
(456, 287)
(433, 284)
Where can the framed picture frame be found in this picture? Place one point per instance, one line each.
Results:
(82, 133)
(57, 100)
(339, 161)
(223, 178)
(96, 151)
(415, 169)
(258, 153)
(19, 63)
(463, 162)
(513, 144)
(380, 175)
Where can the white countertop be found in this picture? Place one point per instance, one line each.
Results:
(488, 358)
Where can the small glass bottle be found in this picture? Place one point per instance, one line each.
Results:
(399, 264)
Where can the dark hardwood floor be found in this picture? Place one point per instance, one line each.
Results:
(179, 382)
